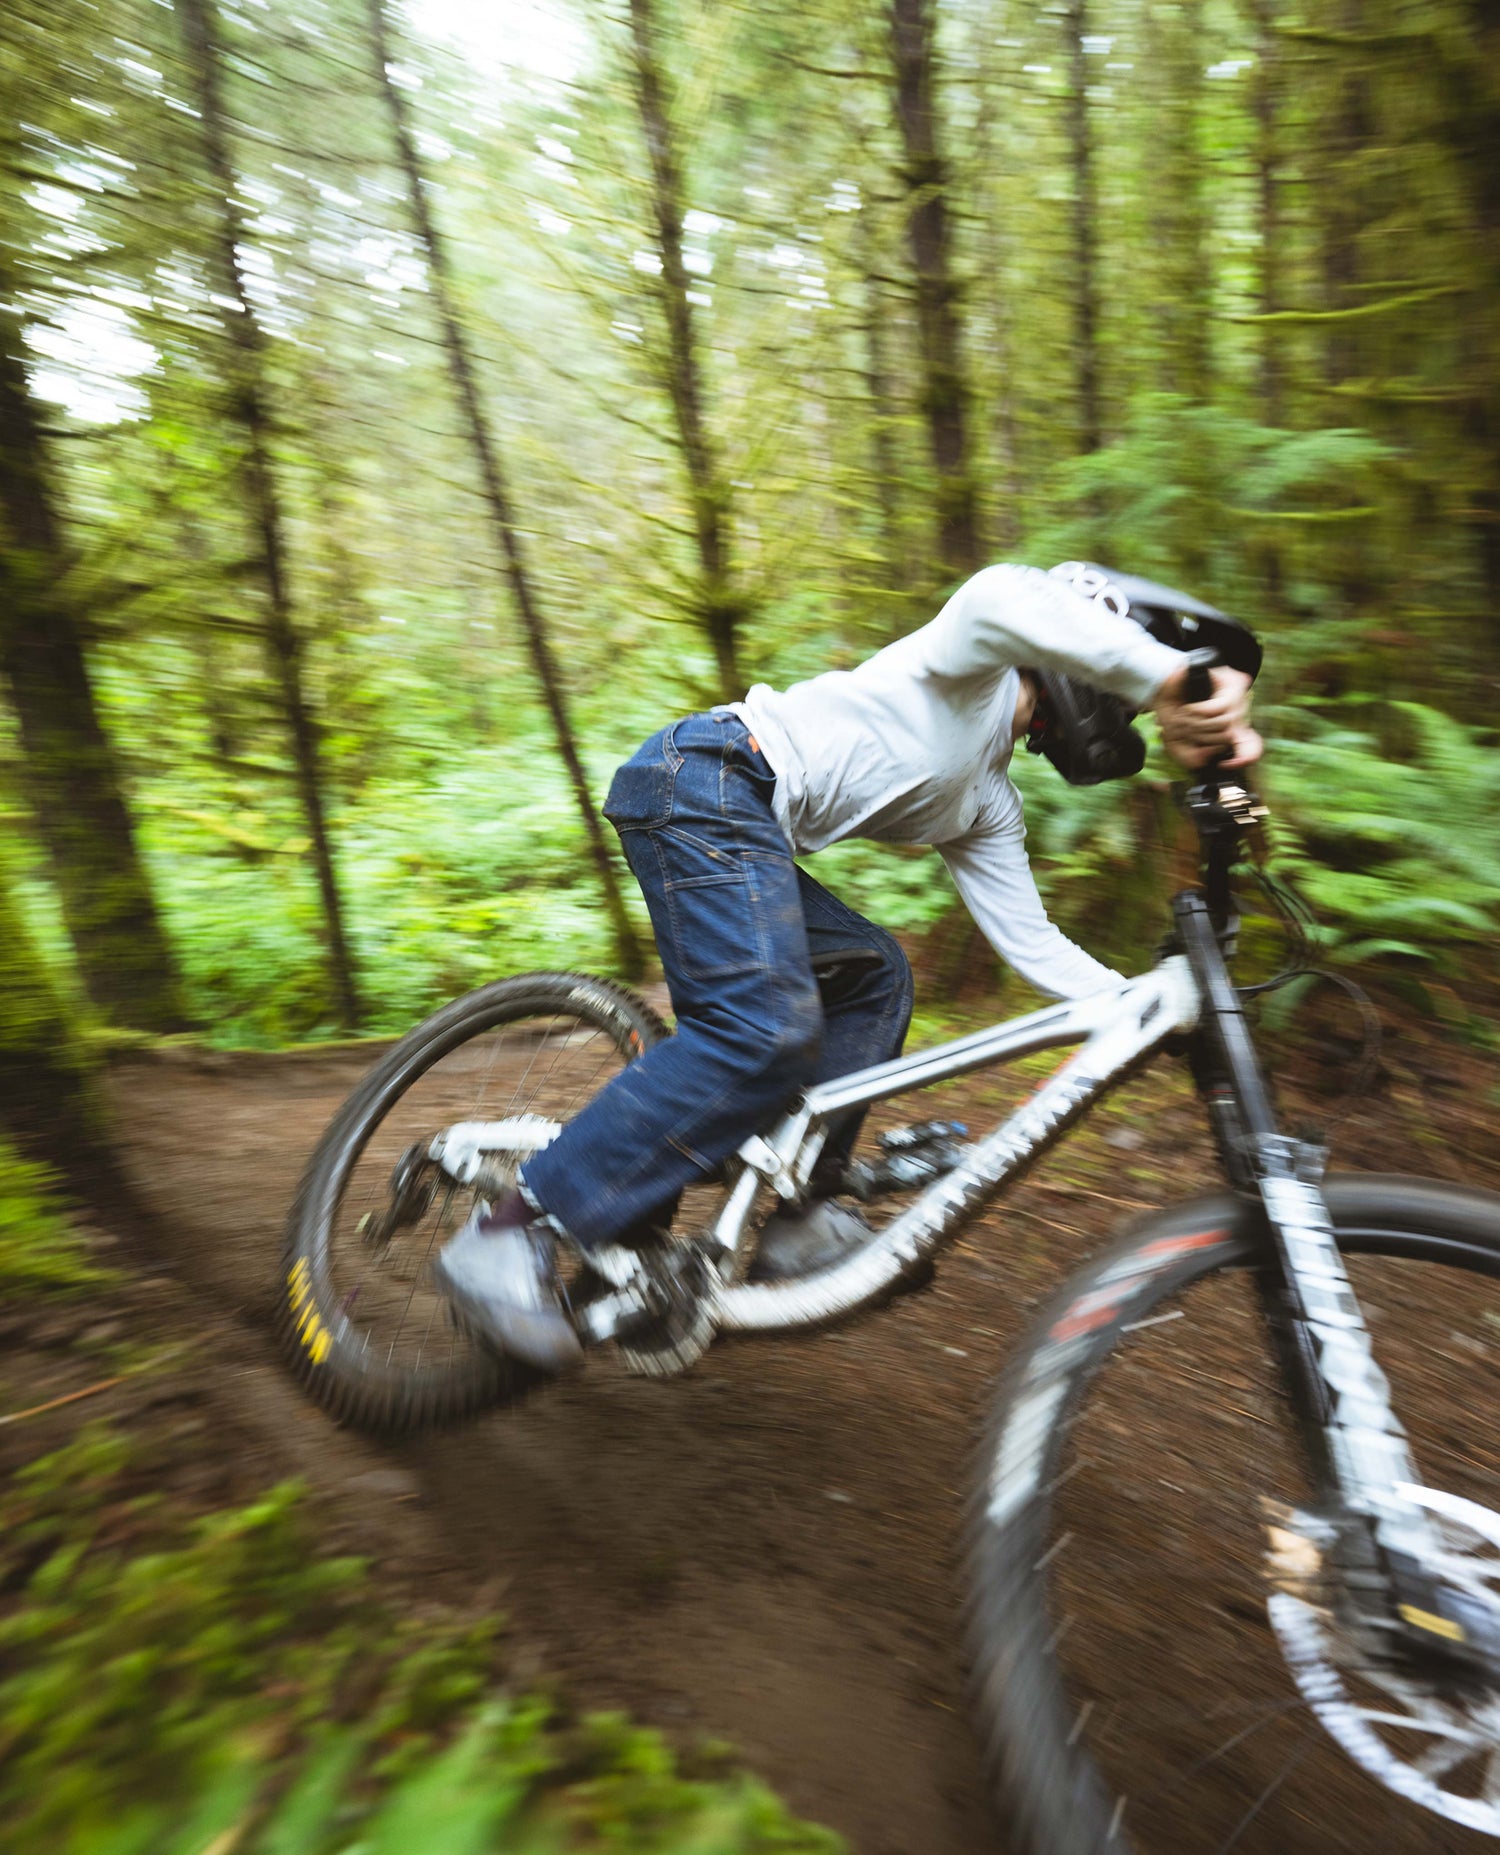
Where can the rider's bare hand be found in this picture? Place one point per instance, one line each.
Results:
(1197, 733)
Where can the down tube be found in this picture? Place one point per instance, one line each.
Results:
(1149, 1011)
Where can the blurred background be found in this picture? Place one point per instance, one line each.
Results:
(405, 411)
(405, 408)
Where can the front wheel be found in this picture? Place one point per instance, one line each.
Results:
(1132, 1693)
(479, 1083)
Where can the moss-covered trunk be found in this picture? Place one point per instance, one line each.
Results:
(47, 1105)
(722, 607)
(945, 387)
(71, 777)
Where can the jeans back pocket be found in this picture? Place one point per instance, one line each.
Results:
(640, 794)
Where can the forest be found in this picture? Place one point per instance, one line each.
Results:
(399, 424)
(407, 408)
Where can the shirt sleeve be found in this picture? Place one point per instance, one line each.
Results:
(993, 875)
(1023, 618)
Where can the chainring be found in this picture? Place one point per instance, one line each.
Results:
(676, 1333)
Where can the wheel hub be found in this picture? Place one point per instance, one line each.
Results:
(1431, 1737)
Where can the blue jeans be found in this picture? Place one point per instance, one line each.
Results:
(775, 983)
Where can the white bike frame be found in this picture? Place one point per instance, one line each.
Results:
(1118, 1028)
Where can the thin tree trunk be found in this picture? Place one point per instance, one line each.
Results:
(496, 495)
(945, 392)
(71, 776)
(1174, 39)
(203, 642)
(1350, 129)
(722, 607)
(1003, 422)
(1345, 215)
(1268, 194)
(883, 465)
(47, 1102)
(1471, 123)
(1264, 101)
(248, 399)
(1084, 230)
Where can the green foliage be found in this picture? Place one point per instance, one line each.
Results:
(164, 1686)
(1391, 828)
(1328, 470)
(1194, 495)
(40, 1253)
(475, 869)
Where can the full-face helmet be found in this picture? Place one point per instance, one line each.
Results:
(1084, 731)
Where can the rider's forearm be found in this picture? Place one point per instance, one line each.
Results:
(1020, 616)
(994, 878)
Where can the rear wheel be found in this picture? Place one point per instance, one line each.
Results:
(1131, 1690)
(366, 1332)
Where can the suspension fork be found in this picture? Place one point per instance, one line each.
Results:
(1354, 1440)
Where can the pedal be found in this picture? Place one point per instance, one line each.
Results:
(910, 1157)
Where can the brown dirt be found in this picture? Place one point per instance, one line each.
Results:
(766, 1550)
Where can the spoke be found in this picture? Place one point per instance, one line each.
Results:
(525, 1074)
(1297, 1755)
(417, 1274)
(1443, 1757)
(552, 1064)
(1278, 1712)
(1414, 1723)
(1390, 1683)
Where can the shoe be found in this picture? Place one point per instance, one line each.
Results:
(801, 1242)
(500, 1273)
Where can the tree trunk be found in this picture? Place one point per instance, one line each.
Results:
(70, 773)
(1471, 122)
(1179, 217)
(496, 495)
(47, 1103)
(1345, 213)
(1350, 132)
(722, 608)
(1002, 423)
(247, 348)
(1264, 99)
(883, 466)
(1084, 229)
(945, 393)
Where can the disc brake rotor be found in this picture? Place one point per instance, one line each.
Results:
(1433, 1742)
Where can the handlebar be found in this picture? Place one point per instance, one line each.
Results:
(1221, 809)
(1199, 683)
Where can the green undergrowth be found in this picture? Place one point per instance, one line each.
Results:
(173, 1685)
(472, 865)
(174, 1682)
(41, 1255)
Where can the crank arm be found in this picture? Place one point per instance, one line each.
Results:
(466, 1150)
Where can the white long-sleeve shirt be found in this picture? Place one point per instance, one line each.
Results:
(913, 746)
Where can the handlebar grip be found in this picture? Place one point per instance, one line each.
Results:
(1199, 684)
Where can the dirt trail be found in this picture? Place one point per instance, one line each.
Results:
(764, 1551)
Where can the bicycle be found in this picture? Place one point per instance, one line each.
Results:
(1383, 1603)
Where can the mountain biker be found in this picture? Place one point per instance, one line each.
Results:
(776, 984)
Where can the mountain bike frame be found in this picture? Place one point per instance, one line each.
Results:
(1384, 1542)
(1387, 1545)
